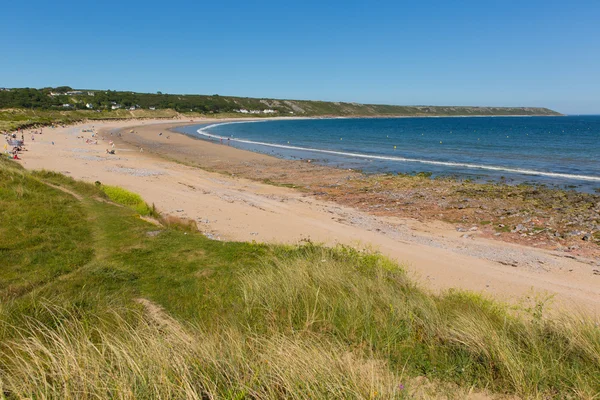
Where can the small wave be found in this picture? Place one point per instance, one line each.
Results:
(203, 132)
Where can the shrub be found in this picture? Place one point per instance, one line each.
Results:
(127, 198)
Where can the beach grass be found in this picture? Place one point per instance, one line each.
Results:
(98, 303)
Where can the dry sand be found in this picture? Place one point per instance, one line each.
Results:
(232, 208)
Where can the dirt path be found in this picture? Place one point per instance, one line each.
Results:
(232, 208)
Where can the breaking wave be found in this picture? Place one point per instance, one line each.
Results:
(204, 132)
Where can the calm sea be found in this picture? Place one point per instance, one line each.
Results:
(561, 151)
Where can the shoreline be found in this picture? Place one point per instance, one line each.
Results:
(229, 206)
(324, 173)
(517, 172)
(34, 125)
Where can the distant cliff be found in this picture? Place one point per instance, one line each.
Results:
(348, 109)
(67, 99)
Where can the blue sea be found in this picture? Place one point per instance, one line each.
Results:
(555, 151)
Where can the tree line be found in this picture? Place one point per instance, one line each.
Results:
(57, 98)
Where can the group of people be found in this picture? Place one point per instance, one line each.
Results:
(14, 146)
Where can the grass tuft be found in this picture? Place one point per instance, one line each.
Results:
(127, 198)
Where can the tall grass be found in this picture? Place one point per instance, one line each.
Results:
(368, 302)
(175, 315)
(315, 323)
(156, 357)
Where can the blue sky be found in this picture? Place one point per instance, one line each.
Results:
(500, 53)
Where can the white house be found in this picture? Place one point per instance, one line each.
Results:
(132, 108)
(67, 105)
(89, 105)
(269, 111)
(244, 111)
(152, 108)
(115, 106)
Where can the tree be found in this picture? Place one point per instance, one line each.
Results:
(63, 89)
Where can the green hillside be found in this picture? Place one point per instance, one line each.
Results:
(96, 302)
(76, 104)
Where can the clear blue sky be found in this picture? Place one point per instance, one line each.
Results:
(500, 53)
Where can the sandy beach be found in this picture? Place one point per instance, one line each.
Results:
(164, 170)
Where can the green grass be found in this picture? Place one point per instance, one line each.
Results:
(39, 228)
(127, 198)
(97, 303)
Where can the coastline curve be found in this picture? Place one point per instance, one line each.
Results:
(204, 132)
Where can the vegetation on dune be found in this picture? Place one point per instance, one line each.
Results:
(38, 229)
(145, 312)
(14, 118)
(127, 198)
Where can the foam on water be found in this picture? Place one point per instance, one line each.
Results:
(204, 132)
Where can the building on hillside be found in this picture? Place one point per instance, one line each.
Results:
(152, 108)
(89, 105)
(67, 105)
(115, 106)
(269, 111)
(74, 92)
(90, 93)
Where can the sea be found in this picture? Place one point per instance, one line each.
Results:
(560, 152)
